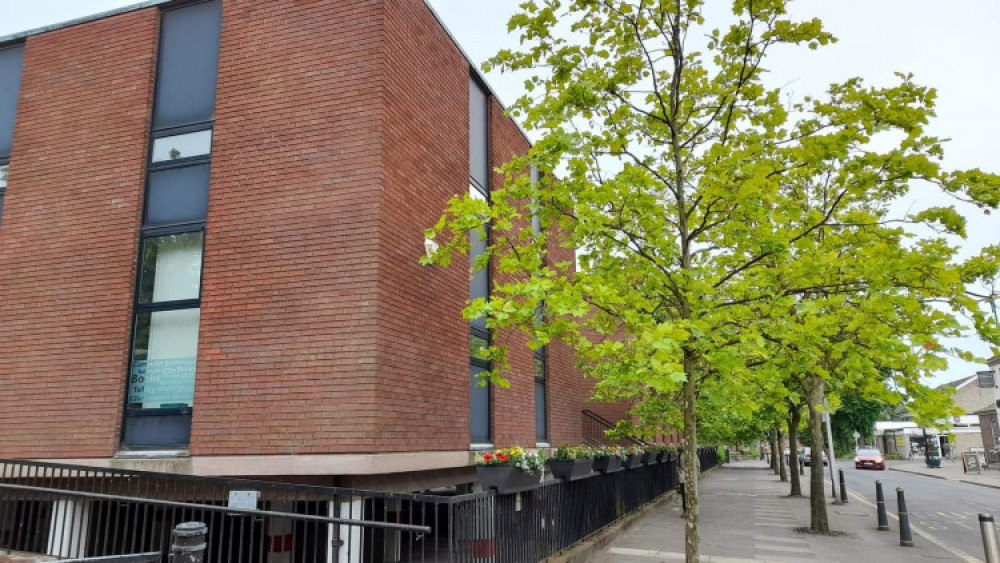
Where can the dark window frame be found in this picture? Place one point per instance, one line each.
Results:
(147, 232)
(4, 161)
(485, 191)
(542, 354)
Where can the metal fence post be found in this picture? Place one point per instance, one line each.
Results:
(189, 543)
(883, 518)
(843, 487)
(989, 530)
(905, 537)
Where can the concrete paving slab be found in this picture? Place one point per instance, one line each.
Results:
(747, 516)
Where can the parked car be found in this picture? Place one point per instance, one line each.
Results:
(869, 458)
(806, 457)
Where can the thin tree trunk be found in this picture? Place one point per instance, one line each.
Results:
(818, 521)
(692, 537)
(774, 451)
(782, 464)
(794, 418)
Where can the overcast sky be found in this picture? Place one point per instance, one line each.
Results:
(953, 46)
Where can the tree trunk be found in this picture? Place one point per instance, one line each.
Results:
(782, 469)
(817, 487)
(794, 418)
(692, 537)
(774, 450)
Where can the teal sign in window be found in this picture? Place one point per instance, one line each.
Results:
(162, 383)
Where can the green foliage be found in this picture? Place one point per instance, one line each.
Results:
(855, 414)
(736, 249)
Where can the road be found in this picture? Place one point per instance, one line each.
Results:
(947, 511)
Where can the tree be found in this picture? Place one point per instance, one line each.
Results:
(854, 414)
(703, 205)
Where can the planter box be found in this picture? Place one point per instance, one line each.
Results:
(506, 479)
(632, 461)
(645, 458)
(607, 464)
(571, 469)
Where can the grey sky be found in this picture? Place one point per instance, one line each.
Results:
(952, 46)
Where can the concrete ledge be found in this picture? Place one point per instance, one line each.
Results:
(280, 465)
(582, 550)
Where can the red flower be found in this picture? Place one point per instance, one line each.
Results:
(501, 457)
(487, 457)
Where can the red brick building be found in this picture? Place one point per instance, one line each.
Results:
(212, 215)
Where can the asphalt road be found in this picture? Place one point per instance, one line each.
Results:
(946, 511)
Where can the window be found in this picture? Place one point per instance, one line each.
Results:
(185, 145)
(479, 279)
(177, 196)
(541, 396)
(11, 62)
(188, 65)
(160, 395)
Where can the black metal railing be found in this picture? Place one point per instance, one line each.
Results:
(594, 430)
(74, 511)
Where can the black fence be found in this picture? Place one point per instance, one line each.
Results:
(75, 512)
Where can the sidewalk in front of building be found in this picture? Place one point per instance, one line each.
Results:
(747, 517)
(951, 469)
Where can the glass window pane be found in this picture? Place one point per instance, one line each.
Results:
(11, 61)
(171, 268)
(478, 133)
(478, 345)
(177, 195)
(479, 407)
(541, 415)
(182, 146)
(476, 192)
(188, 65)
(539, 366)
(159, 430)
(164, 355)
(3, 175)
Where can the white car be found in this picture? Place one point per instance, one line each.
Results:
(806, 457)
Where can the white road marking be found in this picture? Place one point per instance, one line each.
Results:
(963, 556)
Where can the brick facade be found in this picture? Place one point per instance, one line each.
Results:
(69, 235)
(341, 131)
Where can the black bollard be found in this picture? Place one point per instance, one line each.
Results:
(802, 467)
(843, 487)
(883, 517)
(905, 537)
(189, 543)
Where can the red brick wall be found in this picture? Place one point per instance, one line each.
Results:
(69, 236)
(423, 360)
(341, 132)
(287, 354)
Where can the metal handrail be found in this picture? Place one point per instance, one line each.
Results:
(223, 509)
(600, 420)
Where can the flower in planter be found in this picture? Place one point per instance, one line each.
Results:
(529, 462)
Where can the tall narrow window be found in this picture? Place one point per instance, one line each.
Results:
(479, 283)
(541, 354)
(160, 395)
(11, 62)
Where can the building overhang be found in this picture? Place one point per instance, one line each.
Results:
(281, 465)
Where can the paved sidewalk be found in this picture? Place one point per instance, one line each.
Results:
(747, 517)
(951, 470)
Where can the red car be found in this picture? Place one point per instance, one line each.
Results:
(869, 459)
